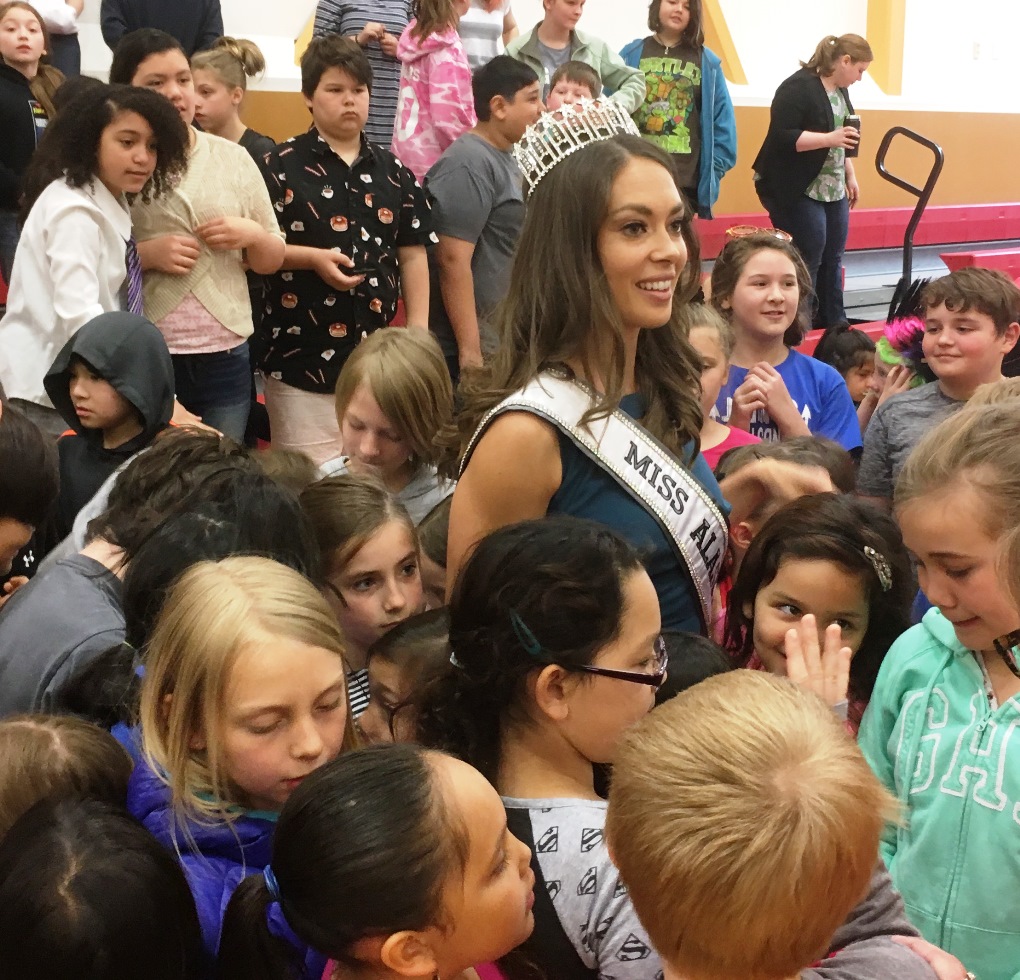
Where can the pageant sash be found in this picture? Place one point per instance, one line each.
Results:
(649, 472)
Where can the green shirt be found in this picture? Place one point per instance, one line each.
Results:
(830, 184)
(670, 114)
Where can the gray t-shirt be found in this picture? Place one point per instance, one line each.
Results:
(591, 902)
(52, 628)
(477, 196)
(552, 59)
(895, 429)
(426, 489)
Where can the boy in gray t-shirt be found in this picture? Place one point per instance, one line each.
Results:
(970, 326)
(477, 200)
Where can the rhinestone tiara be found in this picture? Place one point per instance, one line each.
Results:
(564, 131)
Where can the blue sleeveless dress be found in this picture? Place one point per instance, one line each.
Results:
(587, 490)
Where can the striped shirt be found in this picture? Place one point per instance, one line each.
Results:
(481, 32)
(357, 692)
(348, 17)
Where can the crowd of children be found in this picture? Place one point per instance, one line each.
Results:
(582, 628)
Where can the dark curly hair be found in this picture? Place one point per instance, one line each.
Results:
(563, 577)
(70, 146)
(837, 528)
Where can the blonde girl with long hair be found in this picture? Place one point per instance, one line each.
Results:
(243, 697)
(221, 82)
(393, 397)
(939, 731)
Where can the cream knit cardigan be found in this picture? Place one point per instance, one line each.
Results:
(222, 180)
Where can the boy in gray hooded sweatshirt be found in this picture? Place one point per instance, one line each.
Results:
(113, 383)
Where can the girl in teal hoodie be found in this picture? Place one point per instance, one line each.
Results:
(940, 730)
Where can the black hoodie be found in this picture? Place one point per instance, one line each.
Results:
(130, 353)
(18, 117)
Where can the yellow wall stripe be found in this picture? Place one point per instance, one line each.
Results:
(886, 34)
(719, 39)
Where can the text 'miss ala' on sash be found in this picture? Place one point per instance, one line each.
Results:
(639, 463)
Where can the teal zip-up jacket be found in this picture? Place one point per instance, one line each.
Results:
(718, 125)
(932, 737)
(626, 83)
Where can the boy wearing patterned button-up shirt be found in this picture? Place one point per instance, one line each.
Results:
(357, 224)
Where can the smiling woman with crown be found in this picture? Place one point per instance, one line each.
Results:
(590, 406)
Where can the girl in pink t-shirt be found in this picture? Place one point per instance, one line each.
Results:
(436, 102)
(712, 337)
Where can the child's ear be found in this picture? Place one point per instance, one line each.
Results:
(497, 107)
(407, 954)
(742, 534)
(197, 741)
(551, 690)
(1010, 337)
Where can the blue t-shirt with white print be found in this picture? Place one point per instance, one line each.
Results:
(818, 391)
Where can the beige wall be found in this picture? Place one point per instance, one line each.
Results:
(981, 150)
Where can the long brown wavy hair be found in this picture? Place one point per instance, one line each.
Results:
(48, 78)
(559, 298)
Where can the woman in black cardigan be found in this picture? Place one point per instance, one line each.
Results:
(802, 174)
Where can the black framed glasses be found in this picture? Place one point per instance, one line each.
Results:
(654, 679)
(533, 648)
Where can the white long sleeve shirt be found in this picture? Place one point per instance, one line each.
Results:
(59, 16)
(70, 266)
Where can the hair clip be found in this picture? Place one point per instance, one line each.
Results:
(271, 883)
(1006, 647)
(455, 662)
(881, 566)
(525, 637)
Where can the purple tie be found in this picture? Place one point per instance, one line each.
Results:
(134, 278)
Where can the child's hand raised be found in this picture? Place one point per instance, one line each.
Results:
(825, 671)
(229, 234)
(896, 381)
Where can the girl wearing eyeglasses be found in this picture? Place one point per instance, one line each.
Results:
(554, 627)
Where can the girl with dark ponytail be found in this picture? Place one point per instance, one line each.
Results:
(554, 627)
(395, 862)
